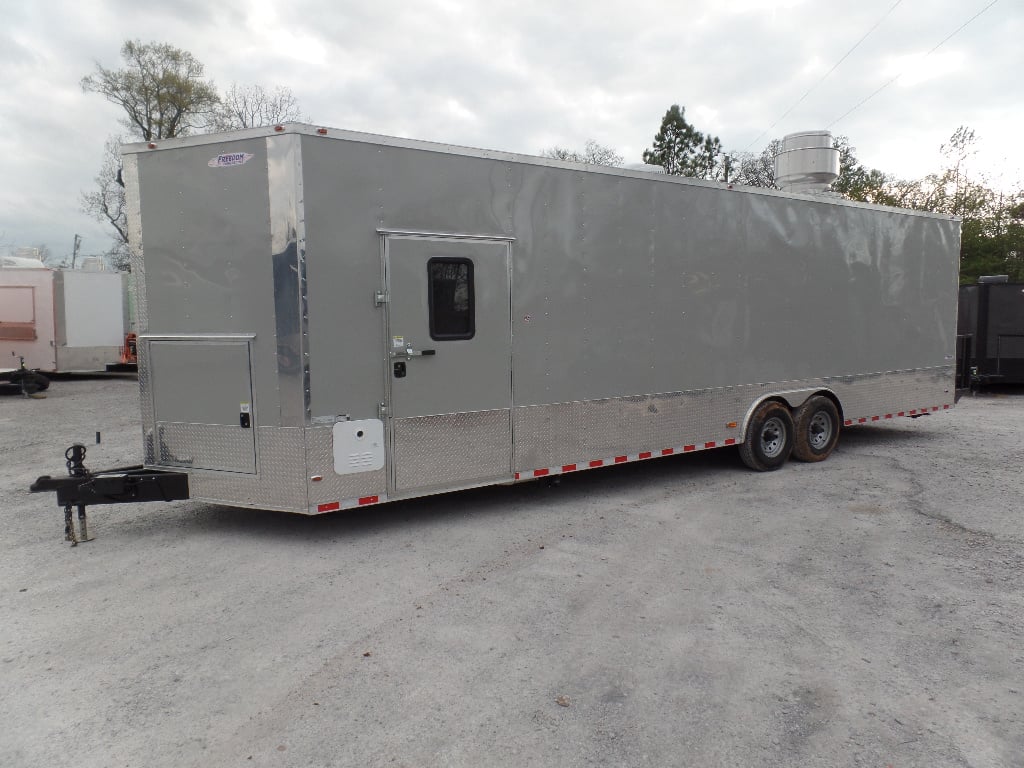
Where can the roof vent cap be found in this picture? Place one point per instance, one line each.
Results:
(807, 162)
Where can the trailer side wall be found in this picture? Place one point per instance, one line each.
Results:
(646, 312)
(631, 285)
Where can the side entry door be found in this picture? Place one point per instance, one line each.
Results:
(449, 360)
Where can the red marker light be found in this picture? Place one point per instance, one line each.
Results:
(152, 145)
(278, 128)
(322, 131)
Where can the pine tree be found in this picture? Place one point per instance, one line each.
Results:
(682, 150)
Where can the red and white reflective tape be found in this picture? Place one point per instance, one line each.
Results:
(911, 412)
(623, 459)
(334, 506)
(363, 501)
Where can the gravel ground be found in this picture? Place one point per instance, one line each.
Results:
(862, 612)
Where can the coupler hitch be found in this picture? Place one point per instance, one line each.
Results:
(110, 486)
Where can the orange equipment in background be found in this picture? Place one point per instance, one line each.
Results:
(129, 350)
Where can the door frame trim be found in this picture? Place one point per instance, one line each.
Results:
(387, 411)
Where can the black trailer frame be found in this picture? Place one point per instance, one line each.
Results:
(82, 488)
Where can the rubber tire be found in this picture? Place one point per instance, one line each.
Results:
(804, 447)
(753, 449)
(28, 384)
(24, 381)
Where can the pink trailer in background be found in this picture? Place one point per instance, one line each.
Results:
(62, 320)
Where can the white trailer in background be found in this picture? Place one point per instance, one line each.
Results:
(62, 320)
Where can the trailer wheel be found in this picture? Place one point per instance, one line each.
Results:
(26, 381)
(769, 437)
(817, 429)
(30, 382)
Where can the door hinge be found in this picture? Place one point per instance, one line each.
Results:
(382, 411)
(380, 297)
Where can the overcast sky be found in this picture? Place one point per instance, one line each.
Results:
(521, 76)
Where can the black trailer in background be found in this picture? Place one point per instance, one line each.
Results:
(990, 333)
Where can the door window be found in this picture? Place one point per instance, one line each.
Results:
(450, 299)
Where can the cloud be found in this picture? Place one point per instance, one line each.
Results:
(517, 75)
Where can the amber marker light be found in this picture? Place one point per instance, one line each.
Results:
(731, 425)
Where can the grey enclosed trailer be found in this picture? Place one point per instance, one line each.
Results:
(330, 319)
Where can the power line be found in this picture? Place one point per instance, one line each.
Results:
(944, 40)
(822, 79)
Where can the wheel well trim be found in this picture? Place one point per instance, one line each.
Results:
(792, 399)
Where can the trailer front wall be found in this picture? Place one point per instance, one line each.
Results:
(1005, 329)
(216, 265)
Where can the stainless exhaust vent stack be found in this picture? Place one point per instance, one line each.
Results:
(807, 162)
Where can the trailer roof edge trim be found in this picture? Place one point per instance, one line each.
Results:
(315, 131)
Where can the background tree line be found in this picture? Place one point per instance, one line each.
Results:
(992, 238)
(163, 93)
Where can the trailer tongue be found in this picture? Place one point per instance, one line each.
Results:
(110, 486)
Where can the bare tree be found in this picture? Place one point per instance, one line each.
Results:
(118, 256)
(163, 94)
(755, 170)
(593, 154)
(250, 106)
(161, 90)
(45, 254)
(963, 193)
(106, 203)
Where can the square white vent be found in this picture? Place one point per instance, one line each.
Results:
(358, 446)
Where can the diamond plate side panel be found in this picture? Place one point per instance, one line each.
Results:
(451, 449)
(579, 431)
(280, 483)
(334, 487)
(146, 404)
(565, 433)
(206, 446)
(880, 393)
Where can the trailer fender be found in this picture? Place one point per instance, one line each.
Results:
(793, 398)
